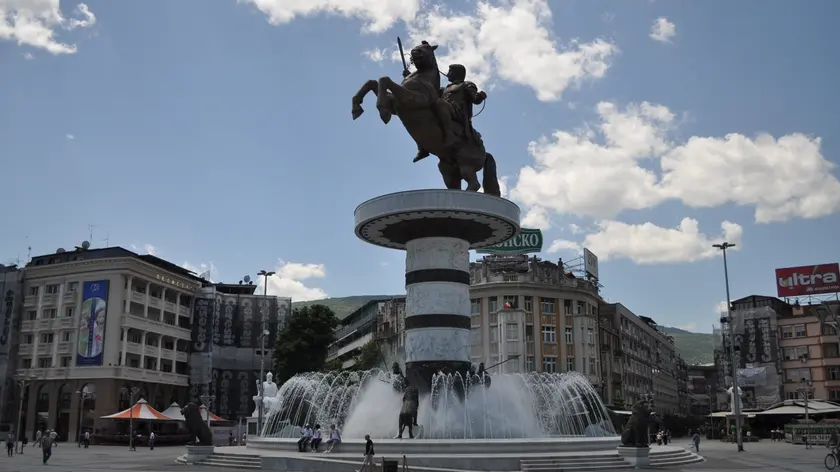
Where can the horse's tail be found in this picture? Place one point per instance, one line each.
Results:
(489, 180)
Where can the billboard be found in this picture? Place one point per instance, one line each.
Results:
(527, 241)
(590, 263)
(808, 280)
(92, 323)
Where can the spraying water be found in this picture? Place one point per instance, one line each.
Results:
(532, 405)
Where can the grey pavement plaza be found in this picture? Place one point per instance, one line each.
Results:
(765, 455)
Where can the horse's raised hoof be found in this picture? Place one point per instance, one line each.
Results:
(357, 111)
(385, 114)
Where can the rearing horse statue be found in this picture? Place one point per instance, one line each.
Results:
(416, 103)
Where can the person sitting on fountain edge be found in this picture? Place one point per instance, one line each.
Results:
(306, 436)
(456, 100)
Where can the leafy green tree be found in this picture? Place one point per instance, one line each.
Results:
(302, 343)
(369, 357)
(332, 366)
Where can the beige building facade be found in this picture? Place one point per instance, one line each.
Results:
(135, 332)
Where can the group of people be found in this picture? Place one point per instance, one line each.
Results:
(663, 437)
(311, 438)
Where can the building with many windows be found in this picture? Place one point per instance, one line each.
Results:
(380, 318)
(534, 309)
(10, 301)
(95, 322)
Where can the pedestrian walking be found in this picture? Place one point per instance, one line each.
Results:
(86, 439)
(10, 444)
(38, 435)
(46, 447)
(695, 438)
(369, 464)
(152, 440)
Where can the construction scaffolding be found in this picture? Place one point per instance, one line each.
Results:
(755, 333)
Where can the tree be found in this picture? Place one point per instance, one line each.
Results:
(333, 366)
(302, 343)
(369, 357)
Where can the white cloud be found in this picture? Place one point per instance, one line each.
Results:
(379, 15)
(559, 245)
(650, 244)
(688, 327)
(537, 217)
(35, 23)
(512, 40)
(150, 249)
(575, 229)
(377, 55)
(577, 171)
(201, 268)
(663, 30)
(286, 282)
(28, 56)
(69, 136)
(721, 308)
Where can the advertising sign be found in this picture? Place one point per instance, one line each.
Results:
(590, 263)
(808, 280)
(202, 324)
(92, 323)
(527, 241)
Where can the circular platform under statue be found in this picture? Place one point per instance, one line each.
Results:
(437, 229)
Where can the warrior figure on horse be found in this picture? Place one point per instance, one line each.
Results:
(438, 119)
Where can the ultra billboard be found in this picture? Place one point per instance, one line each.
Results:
(92, 324)
(808, 280)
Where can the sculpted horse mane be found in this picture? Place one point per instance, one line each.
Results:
(438, 126)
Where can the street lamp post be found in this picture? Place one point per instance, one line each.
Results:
(132, 392)
(82, 397)
(266, 274)
(23, 381)
(736, 397)
(805, 389)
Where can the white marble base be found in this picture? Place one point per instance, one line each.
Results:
(437, 253)
(437, 298)
(638, 457)
(437, 344)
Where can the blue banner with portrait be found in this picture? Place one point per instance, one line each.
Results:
(92, 325)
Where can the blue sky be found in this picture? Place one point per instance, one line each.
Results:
(218, 135)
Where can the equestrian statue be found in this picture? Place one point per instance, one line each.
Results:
(438, 119)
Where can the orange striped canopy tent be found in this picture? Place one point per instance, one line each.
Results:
(140, 411)
(213, 417)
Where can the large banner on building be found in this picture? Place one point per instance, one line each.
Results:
(202, 324)
(808, 280)
(92, 325)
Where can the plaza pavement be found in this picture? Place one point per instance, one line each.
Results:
(721, 457)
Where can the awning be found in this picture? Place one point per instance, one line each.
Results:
(140, 411)
(213, 416)
(174, 412)
(796, 407)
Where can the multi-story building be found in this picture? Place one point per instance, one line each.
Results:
(233, 334)
(649, 357)
(390, 328)
(362, 325)
(683, 398)
(97, 322)
(560, 313)
(10, 303)
(702, 390)
(612, 372)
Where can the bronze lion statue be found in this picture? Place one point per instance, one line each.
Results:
(636, 431)
(200, 434)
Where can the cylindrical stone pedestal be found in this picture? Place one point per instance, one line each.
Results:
(436, 228)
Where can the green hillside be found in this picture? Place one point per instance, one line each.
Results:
(695, 348)
(343, 306)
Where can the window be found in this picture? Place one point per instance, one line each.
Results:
(49, 313)
(26, 363)
(592, 368)
(475, 321)
(72, 286)
(65, 361)
(529, 364)
(512, 332)
(31, 315)
(570, 336)
(833, 373)
(68, 312)
(65, 336)
(475, 337)
(799, 330)
(787, 332)
(570, 364)
(831, 350)
(494, 334)
(547, 306)
(796, 375)
(529, 304)
(529, 333)
(492, 304)
(510, 300)
(46, 337)
(475, 306)
(581, 308)
(795, 353)
(27, 339)
(33, 291)
(53, 289)
(550, 364)
(591, 333)
(45, 362)
(834, 395)
(549, 335)
(510, 277)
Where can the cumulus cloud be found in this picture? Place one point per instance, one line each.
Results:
(650, 244)
(206, 269)
(150, 249)
(605, 168)
(69, 136)
(536, 217)
(663, 30)
(510, 39)
(288, 281)
(35, 23)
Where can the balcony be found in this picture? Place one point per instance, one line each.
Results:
(70, 297)
(65, 347)
(49, 299)
(184, 311)
(170, 307)
(127, 373)
(138, 297)
(44, 348)
(150, 351)
(155, 302)
(145, 324)
(25, 349)
(30, 300)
